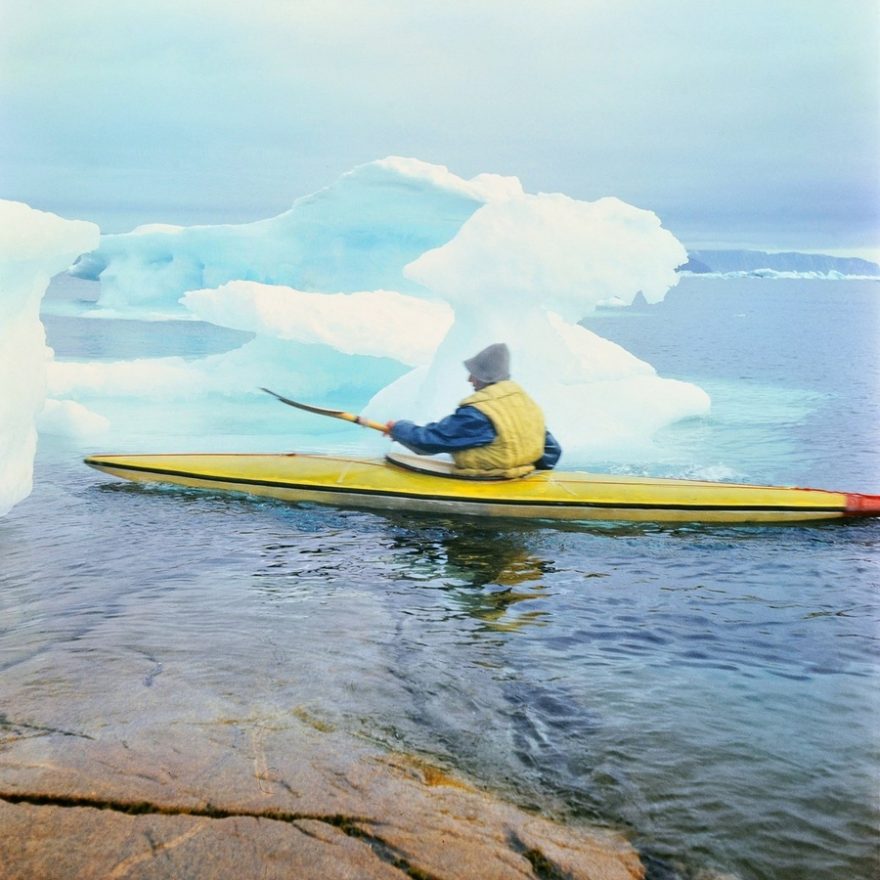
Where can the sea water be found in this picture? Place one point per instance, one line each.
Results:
(712, 690)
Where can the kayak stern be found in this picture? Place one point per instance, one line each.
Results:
(862, 505)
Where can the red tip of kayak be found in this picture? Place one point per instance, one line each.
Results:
(862, 505)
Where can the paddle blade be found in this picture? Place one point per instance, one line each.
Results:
(308, 407)
(333, 413)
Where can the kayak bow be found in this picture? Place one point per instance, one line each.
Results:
(412, 484)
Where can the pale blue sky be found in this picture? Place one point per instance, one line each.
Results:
(748, 123)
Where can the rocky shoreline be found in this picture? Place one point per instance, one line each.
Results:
(290, 798)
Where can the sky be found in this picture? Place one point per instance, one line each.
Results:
(753, 123)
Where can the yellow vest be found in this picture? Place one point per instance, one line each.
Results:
(519, 433)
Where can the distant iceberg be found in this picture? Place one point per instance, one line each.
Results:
(760, 264)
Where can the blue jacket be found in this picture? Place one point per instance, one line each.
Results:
(465, 428)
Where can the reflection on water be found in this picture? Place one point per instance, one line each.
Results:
(487, 575)
(481, 570)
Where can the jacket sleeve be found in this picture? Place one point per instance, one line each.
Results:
(552, 452)
(466, 428)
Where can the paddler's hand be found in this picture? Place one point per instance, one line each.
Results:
(388, 427)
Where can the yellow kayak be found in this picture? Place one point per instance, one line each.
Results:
(411, 483)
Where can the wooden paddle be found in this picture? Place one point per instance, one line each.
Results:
(333, 413)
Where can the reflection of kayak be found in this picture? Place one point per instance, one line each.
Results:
(424, 485)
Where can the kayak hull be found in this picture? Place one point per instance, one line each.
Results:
(543, 495)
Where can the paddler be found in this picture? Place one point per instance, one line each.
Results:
(498, 431)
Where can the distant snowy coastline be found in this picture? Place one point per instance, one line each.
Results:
(760, 264)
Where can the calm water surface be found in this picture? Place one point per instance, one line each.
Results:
(713, 690)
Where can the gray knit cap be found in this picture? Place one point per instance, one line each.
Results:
(492, 364)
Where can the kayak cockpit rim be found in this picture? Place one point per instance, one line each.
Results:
(437, 467)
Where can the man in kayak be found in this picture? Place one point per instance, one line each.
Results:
(498, 431)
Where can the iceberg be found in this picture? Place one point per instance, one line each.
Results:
(356, 234)
(34, 246)
(523, 271)
(372, 291)
(382, 323)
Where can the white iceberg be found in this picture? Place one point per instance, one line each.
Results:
(34, 246)
(376, 288)
(354, 235)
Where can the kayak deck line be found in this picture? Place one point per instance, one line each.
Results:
(559, 479)
(284, 484)
(373, 483)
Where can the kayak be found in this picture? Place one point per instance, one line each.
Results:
(413, 483)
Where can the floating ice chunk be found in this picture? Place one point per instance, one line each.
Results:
(599, 400)
(67, 418)
(381, 323)
(354, 235)
(332, 289)
(317, 372)
(482, 188)
(154, 378)
(614, 302)
(147, 228)
(34, 246)
(566, 254)
(515, 264)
